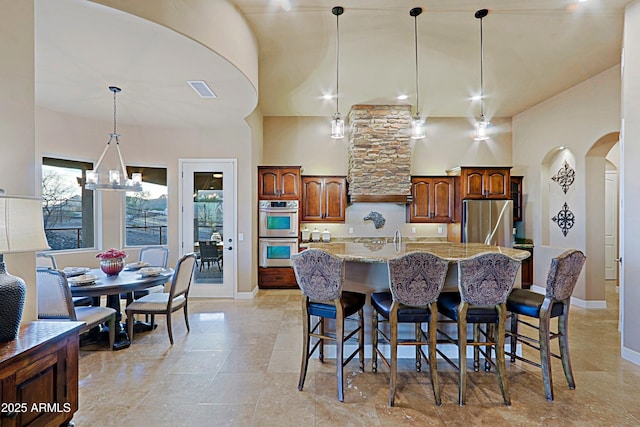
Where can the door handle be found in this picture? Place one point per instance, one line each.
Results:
(618, 260)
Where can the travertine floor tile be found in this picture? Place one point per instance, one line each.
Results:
(239, 366)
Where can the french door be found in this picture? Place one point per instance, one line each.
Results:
(208, 221)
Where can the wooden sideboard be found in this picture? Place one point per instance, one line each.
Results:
(39, 375)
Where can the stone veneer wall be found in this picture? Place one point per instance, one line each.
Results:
(379, 150)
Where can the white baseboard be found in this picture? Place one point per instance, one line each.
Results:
(247, 295)
(596, 304)
(630, 355)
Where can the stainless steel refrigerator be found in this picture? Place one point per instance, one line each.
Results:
(488, 221)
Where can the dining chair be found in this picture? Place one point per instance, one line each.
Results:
(561, 280)
(165, 303)
(47, 260)
(55, 303)
(209, 253)
(415, 282)
(320, 276)
(484, 283)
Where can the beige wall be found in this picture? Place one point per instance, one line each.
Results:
(630, 213)
(18, 174)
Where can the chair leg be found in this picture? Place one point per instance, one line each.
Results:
(112, 331)
(462, 353)
(130, 323)
(321, 345)
(186, 317)
(513, 339)
(169, 329)
(500, 359)
(563, 329)
(476, 349)
(340, 353)
(418, 335)
(393, 375)
(433, 361)
(305, 344)
(490, 333)
(374, 341)
(361, 338)
(545, 350)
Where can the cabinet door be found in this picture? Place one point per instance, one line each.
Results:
(473, 183)
(268, 183)
(516, 196)
(420, 206)
(443, 200)
(335, 198)
(497, 184)
(289, 183)
(312, 198)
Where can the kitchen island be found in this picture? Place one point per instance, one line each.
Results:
(366, 262)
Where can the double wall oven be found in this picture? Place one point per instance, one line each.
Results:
(278, 232)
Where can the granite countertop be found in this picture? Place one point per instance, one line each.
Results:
(377, 252)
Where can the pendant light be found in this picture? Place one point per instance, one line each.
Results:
(417, 123)
(116, 179)
(482, 124)
(337, 124)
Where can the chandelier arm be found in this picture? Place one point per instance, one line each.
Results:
(124, 168)
(97, 166)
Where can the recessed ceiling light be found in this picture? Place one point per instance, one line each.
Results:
(402, 97)
(201, 88)
(327, 97)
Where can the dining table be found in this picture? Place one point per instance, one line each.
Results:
(125, 282)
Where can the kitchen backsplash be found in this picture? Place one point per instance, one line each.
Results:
(394, 216)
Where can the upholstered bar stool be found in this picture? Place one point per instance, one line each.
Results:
(561, 280)
(484, 282)
(415, 282)
(320, 276)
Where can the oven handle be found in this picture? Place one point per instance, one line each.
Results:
(284, 210)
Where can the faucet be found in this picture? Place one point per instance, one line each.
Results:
(397, 237)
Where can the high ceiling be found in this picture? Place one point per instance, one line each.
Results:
(533, 49)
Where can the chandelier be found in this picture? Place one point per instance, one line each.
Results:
(337, 124)
(115, 179)
(417, 123)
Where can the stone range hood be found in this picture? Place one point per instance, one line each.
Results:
(379, 154)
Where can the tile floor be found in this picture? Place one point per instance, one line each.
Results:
(239, 366)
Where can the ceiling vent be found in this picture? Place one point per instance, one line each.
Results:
(201, 88)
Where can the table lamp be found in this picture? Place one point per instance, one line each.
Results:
(21, 230)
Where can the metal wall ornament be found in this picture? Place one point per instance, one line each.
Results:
(565, 219)
(565, 176)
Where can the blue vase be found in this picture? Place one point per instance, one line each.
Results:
(13, 292)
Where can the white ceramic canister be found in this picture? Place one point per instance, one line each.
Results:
(326, 235)
(315, 235)
(306, 234)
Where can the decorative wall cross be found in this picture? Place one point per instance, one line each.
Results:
(565, 219)
(565, 176)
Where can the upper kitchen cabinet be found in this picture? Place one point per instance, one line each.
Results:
(516, 196)
(433, 199)
(279, 182)
(324, 198)
(484, 182)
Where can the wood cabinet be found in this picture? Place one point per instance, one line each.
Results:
(324, 198)
(279, 182)
(432, 199)
(276, 278)
(527, 268)
(485, 183)
(39, 375)
(516, 196)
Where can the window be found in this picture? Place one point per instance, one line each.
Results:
(146, 212)
(67, 208)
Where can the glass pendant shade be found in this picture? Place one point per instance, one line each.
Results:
(417, 127)
(480, 131)
(337, 127)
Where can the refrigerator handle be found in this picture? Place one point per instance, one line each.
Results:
(489, 238)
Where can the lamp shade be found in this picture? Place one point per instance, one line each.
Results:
(21, 226)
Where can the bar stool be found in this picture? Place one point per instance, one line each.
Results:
(415, 281)
(561, 280)
(320, 276)
(484, 281)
